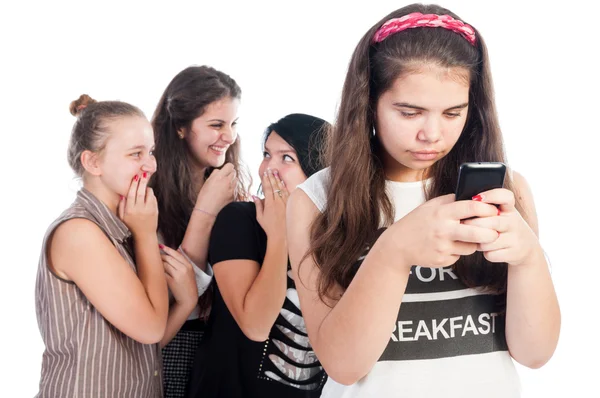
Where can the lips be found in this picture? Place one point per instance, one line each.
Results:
(424, 155)
(219, 149)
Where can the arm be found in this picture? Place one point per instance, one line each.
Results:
(346, 349)
(195, 240)
(216, 192)
(137, 305)
(532, 314)
(253, 294)
(178, 314)
(186, 282)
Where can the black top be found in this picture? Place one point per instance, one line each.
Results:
(228, 364)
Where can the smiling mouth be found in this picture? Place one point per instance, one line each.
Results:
(219, 149)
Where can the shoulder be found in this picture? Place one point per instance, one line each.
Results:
(235, 219)
(237, 210)
(76, 232)
(316, 187)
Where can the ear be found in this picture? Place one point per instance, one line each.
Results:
(91, 162)
(181, 133)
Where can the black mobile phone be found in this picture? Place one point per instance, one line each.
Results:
(475, 178)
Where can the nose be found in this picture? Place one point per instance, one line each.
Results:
(149, 165)
(229, 135)
(432, 130)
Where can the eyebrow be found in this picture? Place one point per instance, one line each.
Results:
(411, 106)
(220, 121)
(280, 151)
(137, 147)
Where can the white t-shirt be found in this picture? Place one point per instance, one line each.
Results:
(448, 341)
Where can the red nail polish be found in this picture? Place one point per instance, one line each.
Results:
(161, 246)
(122, 197)
(498, 211)
(477, 198)
(135, 178)
(145, 174)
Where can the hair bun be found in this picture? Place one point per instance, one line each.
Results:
(80, 104)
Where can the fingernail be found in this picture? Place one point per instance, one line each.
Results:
(254, 197)
(161, 246)
(122, 197)
(477, 198)
(498, 211)
(498, 234)
(276, 173)
(145, 174)
(283, 183)
(136, 177)
(269, 171)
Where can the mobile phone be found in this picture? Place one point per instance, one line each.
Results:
(475, 178)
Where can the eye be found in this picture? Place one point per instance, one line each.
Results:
(217, 126)
(453, 115)
(136, 154)
(288, 158)
(409, 114)
(151, 153)
(266, 154)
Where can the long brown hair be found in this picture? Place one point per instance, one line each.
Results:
(186, 98)
(341, 232)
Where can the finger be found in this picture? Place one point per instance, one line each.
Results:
(498, 256)
(176, 254)
(474, 234)
(464, 209)
(441, 200)
(150, 197)
(168, 274)
(122, 207)
(133, 191)
(499, 196)
(141, 191)
(171, 264)
(463, 248)
(260, 206)
(501, 243)
(266, 186)
(273, 182)
(227, 169)
(498, 223)
(233, 178)
(280, 186)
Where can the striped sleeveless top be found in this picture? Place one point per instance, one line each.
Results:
(86, 356)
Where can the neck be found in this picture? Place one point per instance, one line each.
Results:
(109, 198)
(397, 172)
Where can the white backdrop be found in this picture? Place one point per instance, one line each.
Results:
(292, 57)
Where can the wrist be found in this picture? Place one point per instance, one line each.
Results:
(145, 236)
(388, 247)
(206, 212)
(187, 305)
(534, 258)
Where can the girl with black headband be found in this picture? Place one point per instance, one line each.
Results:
(256, 343)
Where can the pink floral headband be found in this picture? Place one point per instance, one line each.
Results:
(418, 20)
